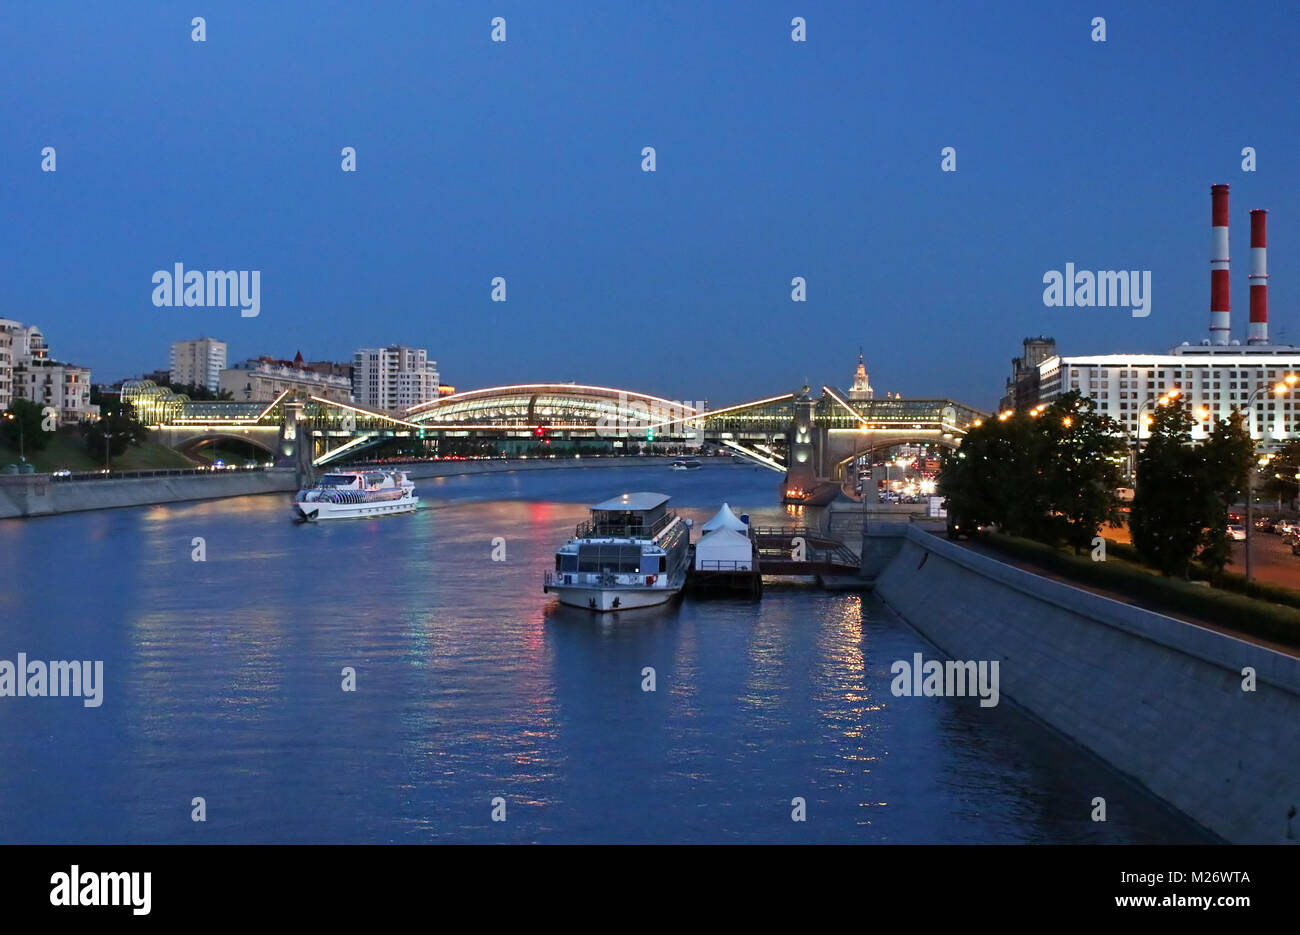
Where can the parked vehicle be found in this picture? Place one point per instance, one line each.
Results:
(1286, 527)
(1265, 524)
(1295, 546)
(1237, 532)
(959, 526)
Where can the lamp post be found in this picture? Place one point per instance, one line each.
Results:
(1287, 383)
(1163, 400)
(22, 456)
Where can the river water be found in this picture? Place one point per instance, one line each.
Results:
(223, 680)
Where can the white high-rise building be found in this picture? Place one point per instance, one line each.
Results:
(1210, 381)
(198, 362)
(393, 378)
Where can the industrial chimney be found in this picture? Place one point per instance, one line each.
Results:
(1258, 276)
(1220, 303)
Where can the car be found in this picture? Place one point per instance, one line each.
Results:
(1285, 527)
(959, 526)
(61, 472)
(1265, 524)
(1237, 532)
(1295, 547)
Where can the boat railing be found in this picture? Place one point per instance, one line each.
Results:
(590, 529)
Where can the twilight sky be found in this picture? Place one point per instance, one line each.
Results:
(522, 159)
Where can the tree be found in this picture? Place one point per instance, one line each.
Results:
(1279, 480)
(1167, 515)
(200, 393)
(1049, 474)
(1180, 510)
(1226, 459)
(1080, 455)
(26, 428)
(976, 479)
(116, 428)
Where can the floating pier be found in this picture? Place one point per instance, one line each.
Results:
(773, 551)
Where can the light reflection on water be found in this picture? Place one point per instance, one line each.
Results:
(224, 680)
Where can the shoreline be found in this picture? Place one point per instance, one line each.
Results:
(1178, 700)
(30, 495)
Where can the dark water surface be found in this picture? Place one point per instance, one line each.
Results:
(223, 681)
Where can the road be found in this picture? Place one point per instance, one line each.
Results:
(1273, 561)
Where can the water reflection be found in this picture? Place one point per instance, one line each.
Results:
(224, 679)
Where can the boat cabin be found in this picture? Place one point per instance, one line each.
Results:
(628, 516)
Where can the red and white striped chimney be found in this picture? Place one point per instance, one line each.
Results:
(1220, 303)
(1258, 276)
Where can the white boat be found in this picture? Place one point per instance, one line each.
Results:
(632, 553)
(356, 495)
(688, 464)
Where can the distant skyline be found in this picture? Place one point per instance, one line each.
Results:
(523, 159)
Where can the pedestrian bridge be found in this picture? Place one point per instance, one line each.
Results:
(808, 437)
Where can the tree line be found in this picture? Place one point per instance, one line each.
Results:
(1053, 473)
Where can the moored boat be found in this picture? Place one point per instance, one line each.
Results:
(632, 553)
(686, 464)
(356, 495)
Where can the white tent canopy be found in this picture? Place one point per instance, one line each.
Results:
(725, 519)
(724, 550)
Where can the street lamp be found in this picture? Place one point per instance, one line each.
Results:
(22, 457)
(1286, 384)
(1163, 400)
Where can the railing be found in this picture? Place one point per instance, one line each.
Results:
(591, 529)
(581, 578)
(710, 565)
(131, 475)
(787, 532)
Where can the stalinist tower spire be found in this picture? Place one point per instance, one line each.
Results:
(861, 385)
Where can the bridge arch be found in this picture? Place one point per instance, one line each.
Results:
(559, 406)
(198, 441)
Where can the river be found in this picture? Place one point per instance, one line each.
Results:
(476, 692)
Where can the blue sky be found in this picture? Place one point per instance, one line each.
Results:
(523, 159)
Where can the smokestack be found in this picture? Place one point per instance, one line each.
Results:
(1220, 303)
(1258, 277)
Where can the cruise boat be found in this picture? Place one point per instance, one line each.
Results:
(356, 494)
(633, 552)
(687, 464)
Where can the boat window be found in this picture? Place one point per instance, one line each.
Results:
(663, 563)
(566, 562)
(336, 480)
(623, 559)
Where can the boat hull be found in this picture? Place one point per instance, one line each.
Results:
(605, 600)
(316, 510)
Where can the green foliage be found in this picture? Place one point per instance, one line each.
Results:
(1278, 480)
(199, 393)
(1050, 476)
(1180, 510)
(1246, 612)
(22, 426)
(116, 428)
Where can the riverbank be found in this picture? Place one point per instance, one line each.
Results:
(1161, 700)
(39, 495)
